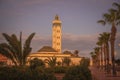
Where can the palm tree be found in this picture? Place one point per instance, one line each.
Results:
(94, 57)
(34, 63)
(105, 37)
(51, 61)
(100, 43)
(76, 52)
(14, 50)
(66, 61)
(117, 10)
(97, 52)
(112, 18)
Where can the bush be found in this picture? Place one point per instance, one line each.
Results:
(66, 61)
(34, 63)
(60, 69)
(14, 73)
(78, 73)
(85, 62)
(17, 73)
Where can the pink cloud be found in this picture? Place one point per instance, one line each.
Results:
(91, 37)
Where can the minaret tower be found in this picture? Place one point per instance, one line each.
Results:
(56, 34)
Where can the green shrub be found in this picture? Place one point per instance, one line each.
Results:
(60, 69)
(49, 70)
(17, 73)
(66, 61)
(78, 73)
(34, 63)
(85, 62)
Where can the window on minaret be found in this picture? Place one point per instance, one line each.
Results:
(58, 37)
(58, 43)
(58, 31)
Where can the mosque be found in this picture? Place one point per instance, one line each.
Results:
(55, 50)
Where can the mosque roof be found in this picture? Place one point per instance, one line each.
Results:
(47, 49)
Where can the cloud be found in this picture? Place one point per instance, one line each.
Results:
(79, 41)
(83, 43)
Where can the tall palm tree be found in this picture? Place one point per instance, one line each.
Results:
(14, 50)
(106, 37)
(117, 10)
(97, 52)
(112, 18)
(94, 57)
(100, 43)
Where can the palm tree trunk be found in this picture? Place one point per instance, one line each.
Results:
(107, 51)
(113, 58)
(104, 57)
(112, 41)
(101, 58)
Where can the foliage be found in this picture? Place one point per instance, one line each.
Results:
(85, 62)
(66, 61)
(76, 53)
(14, 50)
(117, 62)
(18, 73)
(78, 73)
(67, 52)
(51, 61)
(112, 18)
(60, 69)
(36, 63)
(94, 57)
(3, 64)
(59, 63)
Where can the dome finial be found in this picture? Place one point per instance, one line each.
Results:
(56, 17)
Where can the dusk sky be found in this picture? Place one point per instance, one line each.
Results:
(80, 29)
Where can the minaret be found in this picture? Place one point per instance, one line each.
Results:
(56, 34)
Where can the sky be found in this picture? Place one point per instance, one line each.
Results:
(80, 29)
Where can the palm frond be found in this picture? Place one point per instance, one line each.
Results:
(118, 23)
(13, 48)
(5, 51)
(116, 4)
(51, 61)
(11, 41)
(10, 49)
(16, 45)
(102, 22)
(26, 48)
(107, 17)
(112, 10)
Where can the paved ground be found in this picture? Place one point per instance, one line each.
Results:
(101, 75)
(97, 75)
(59, 76)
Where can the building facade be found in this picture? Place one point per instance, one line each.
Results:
(56, 50)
